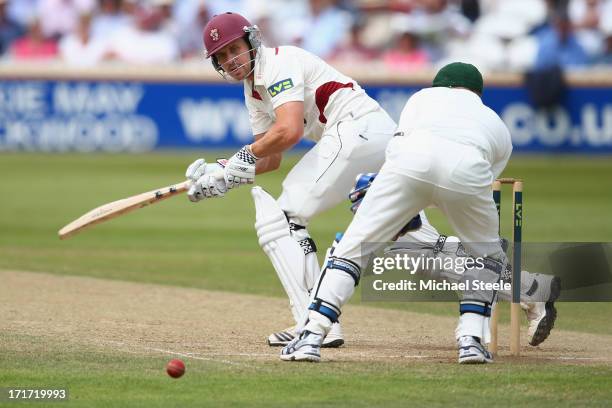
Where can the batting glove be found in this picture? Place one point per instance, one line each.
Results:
(207, 186)
(204, 183)
(240, 168)
(196, 170)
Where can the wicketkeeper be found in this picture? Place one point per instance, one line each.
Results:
(448, 149)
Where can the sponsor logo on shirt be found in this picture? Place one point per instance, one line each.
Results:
(280, 86)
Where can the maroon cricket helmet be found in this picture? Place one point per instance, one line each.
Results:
(222, 29)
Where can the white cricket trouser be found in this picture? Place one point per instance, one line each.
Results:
(394, 198)
(326, 174)
(407, 183)
(322, 179)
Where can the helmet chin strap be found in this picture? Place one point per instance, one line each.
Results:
(225, 75)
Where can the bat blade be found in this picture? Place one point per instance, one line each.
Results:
(120, 207)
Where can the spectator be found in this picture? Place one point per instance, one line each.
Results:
(79, 48)
(190, 38)
(557, 6)
(407, 53)
(377, 6)
(528, 14)
(146, 42)
(109, 19)
(558, 46)
(166, 10)
(171, 26)
(222, 6)
(185, 10)
(500, 39)
(328, 27)
(282, 22)
(605, 25)
(9, 30)
(34, 45)
(263, 19)
(129, 8)
(437, 24)
(470, 9)
(442, 15)
(606, 57)
(353, 49)
(59, 17)
(22, 12)
(584, 15)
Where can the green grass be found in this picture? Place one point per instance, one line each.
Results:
(97, 379)
(213, 245)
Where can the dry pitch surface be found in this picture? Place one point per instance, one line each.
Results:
(119, 317)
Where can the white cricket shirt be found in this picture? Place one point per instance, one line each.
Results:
(452, 128)
(287, 74)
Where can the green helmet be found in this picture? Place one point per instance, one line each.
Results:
(459, 75)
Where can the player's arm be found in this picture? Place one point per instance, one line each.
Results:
(409, 116)
(282, 135)
(268, 163)
(503, 150)
(286, 131)
(285, 84)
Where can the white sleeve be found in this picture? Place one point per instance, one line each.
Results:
(409, 115)
(503, 152)
(259, 119)
(284, 79)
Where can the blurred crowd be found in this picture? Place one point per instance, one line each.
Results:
(401, 35)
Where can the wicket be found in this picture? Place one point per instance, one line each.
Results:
(517, 231)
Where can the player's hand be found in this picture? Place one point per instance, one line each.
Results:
(240, 168)
(196, 170)
(204, 183)
(207, 186)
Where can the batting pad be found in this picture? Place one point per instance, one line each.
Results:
(285, 253)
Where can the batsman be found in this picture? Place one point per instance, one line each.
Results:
(292, 94)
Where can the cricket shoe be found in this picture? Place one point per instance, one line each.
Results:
(471, 351)
(282, 338)
(333, 339)
(542, 315)
(307, 347)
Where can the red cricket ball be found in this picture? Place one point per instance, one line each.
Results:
(175, 368)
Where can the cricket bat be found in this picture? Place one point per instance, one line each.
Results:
(120, 207)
